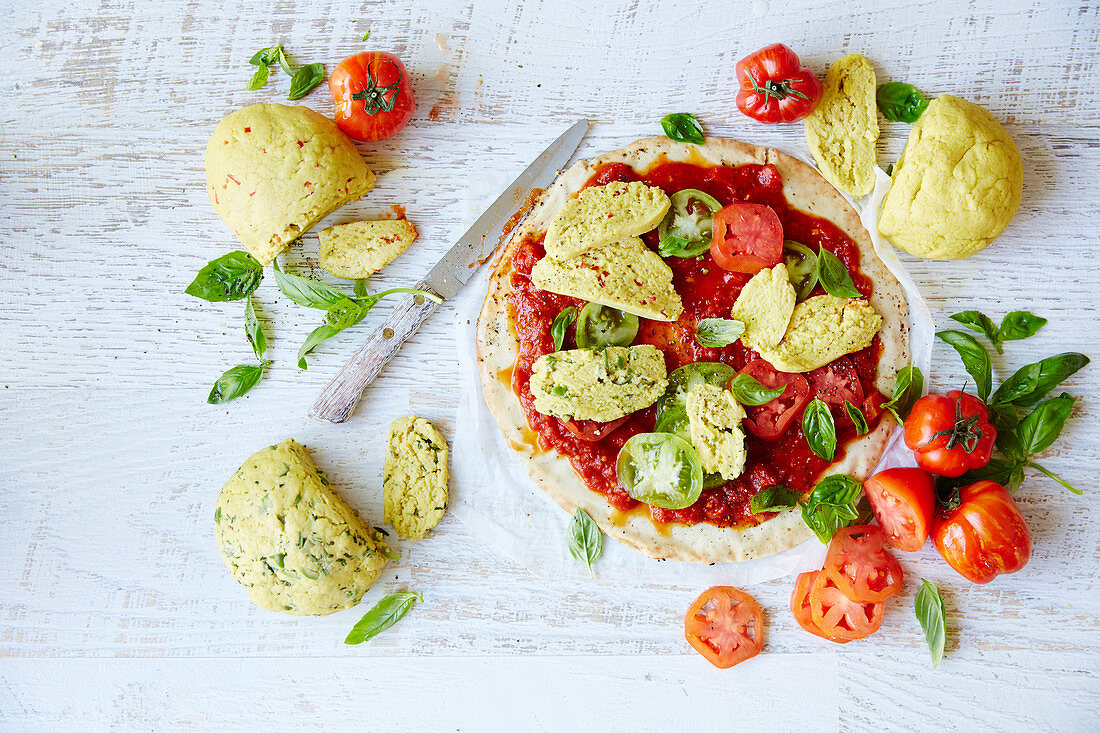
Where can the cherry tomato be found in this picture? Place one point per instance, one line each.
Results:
(800, 606)
(950, 434)
(775, 86)
(859, 565)
(985, 535)
(591, 431)
(725, 625)
(771, 419)
(903, 500)
(840, 617)
(746, 238)
(373, 95)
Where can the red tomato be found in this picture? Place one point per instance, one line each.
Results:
(950, 434)
(800, 606)
(903, 500)
(725, 625)
(746, 238)
(985, 535)
(772, 418)
(373, 95)
(859, 565)
(590, 430)
(836, 382)
(840, 617)
(775, 86)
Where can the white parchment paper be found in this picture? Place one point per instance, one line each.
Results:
(492, 493)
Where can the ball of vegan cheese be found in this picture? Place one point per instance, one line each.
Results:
(290, 540)
(957, 184)
(274, 171)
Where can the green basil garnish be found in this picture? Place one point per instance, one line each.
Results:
(585, 539)
(366, 35)
(933, 619)
(347, 312)
(253, 330)
(834, 276)
(831, 505)
(360, 288)
(258, 80)
(235, 382)
(819, 429)
(748, 390)
(265, 58)
(974, 357)
(315, 337)
(304, 291)
(1015, 326)
(230, 277)
(306, 79)
(857, 418)
(980, 322)
(561, 325)
(382, 615)
(715, 333)
(900, 102)
(1031, 383)
(683, 128)
(908, 386)
(1042, 426)
(773, 498)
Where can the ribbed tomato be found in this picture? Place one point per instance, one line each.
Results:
(985, 535)
(373, 95)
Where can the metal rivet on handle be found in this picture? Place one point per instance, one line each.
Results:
(387, 333)
(418, 299)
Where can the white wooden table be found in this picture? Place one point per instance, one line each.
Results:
(115, 608)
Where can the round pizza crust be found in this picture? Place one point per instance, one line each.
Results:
(498, 346)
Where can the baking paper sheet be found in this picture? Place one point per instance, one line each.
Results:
(493, 495)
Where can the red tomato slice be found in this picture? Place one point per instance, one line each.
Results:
(725, 625)
(903, 500)
(772, 418)
(859, 565)
(746, 238)
(591, 431)
(800, 606)
(836, 382)
(837, 615)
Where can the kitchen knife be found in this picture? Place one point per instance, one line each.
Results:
(338, 400)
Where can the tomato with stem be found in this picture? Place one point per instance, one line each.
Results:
(775, 86)
(373, 95)
(950, 434)
(981, 533)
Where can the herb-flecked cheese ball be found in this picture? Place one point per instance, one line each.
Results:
(414, 477)
(286, 536)
(273, 171)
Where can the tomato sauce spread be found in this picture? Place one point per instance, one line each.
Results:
(707, 291)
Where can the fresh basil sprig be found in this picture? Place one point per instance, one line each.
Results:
(683, 128)
(235, 382)
(265, 58)
(819, 429)
(230, 277)
(585, 539)
(831, 505)
(773, 498)
(1032, 382)
(306, 79)
(908, 386)
(304, 291)
(834, 276)
(857, 418)
(933, 619)
(1015, 326)
(748, 390)
(253, 330)
(974, 357)
(715, 333)
(561, 324)
(382, 616)
(1044, 424)
(900, 102)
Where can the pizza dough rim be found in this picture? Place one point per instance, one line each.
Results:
(497, 348)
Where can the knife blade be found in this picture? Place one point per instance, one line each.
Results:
(338, 400)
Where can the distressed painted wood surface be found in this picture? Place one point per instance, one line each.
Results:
(115, 608)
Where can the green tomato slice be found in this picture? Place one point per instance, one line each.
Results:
(801, 262)
(674, 421)
(683, 379)
(689, 220)
(599, 326)
(661, 470)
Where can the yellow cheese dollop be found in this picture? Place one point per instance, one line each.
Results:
(362, 248)
(603, 385)
(765, 306)
(822, 329)
(714, 419)
(414, 477)
(601, 215)
(842, 130)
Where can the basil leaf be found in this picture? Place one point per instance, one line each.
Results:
(932, 618)
(304, 291)
(230, 277)
(1003, 417)
(347, 313)
(366, 35)
(980, 322)
(285, 62)
(748, 390)
(831, 505)
(561, 324)
(1009, 444)
(1050, 474)
(683, 128)
(834, 276)
(1007, 473)
(235, 382)
(382, 615)
(360, 288)
(908, 386)
(890, 170)
(306, 79)
(266, 56)
(1042, 426)
(585, 539)
(857, 418)
(819, 429)
(672, 245)
(714, 333)
(1019, 325)
(1031, 383)
(974, 357)
(773, 498)
(315, 337)
(258, 80)
(254, 331)
(900, 102)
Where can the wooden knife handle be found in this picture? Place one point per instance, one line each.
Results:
(338, 400)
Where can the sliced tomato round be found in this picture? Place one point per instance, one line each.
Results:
(725, 625)
(800, 606)
(836, 382)
(860, 566)
(903, 500)
(591, 431)
(771, 419)
(746, 238)
(839, 616)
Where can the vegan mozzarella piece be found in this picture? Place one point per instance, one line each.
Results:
(765, 306)
(714, 417)
(362, 248)
(601, 215)
(414, 477)
(602, 385)
(843, 129)
(822, 329)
